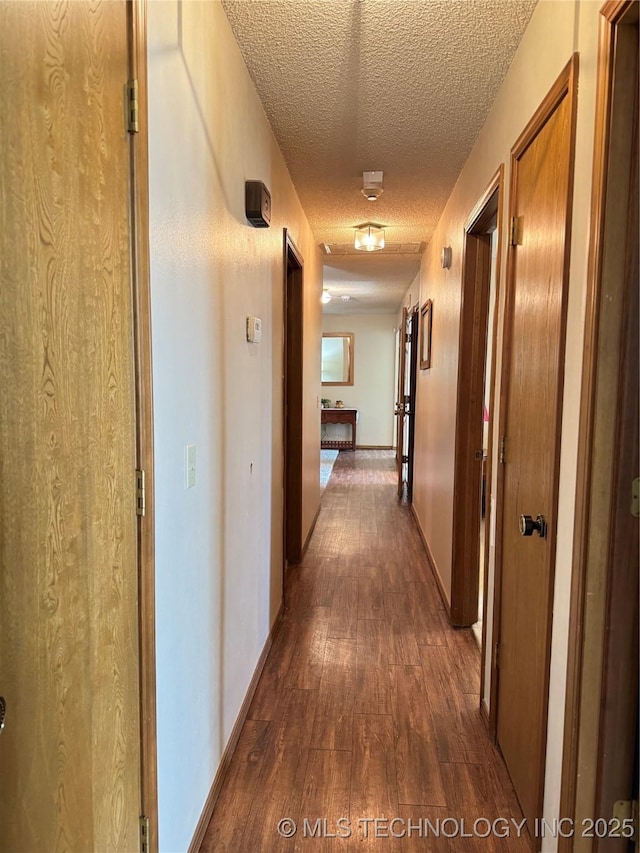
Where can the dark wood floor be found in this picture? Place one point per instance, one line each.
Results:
(368, 703)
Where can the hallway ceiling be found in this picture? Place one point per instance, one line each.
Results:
(402, 86)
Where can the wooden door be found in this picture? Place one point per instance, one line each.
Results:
(400, 403)
(617, 773)
(540, 197)
(406, 404)
(600, 739)
(292, 390)
(70, 750)
(411, 367)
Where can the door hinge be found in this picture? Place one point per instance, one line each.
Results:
(405, 459)
(625, 818)
(502, 452)
(133, 118)
(141, 492)
(515, 231)
(478, 455)
(496, 656)
(635, 498)
(144, 834)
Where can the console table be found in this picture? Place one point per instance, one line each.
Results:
(339, 416)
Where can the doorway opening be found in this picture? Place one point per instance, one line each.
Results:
(487, 406)
(292, 396)
(406, 401)
(476, 375)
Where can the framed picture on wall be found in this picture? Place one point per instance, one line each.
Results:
(425, 334)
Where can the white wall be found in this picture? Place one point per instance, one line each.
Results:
(411, 297)
(373, 390)
(219, 544)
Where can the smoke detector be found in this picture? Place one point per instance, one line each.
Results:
(372, 185)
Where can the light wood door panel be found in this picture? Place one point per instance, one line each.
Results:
(540, 192)
(69, 754)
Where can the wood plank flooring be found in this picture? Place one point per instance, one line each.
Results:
(368, 703)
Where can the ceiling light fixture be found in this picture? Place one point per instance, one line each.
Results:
(369, 238)
(372, 185)
(326, 296)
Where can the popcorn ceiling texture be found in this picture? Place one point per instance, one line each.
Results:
(375, 282)
(399, 85)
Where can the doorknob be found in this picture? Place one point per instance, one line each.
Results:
(3, 709)
(528, 525)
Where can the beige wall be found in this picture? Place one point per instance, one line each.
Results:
(219, 544)
(373, 390)
(556, 30)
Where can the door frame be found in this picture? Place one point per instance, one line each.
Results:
(400, 404)
(141, 298)
(473, 340)
(292, 391)
(566, 85)
(584, 632)
(414, 318)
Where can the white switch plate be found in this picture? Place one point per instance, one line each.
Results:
(254, 330)
(190, 462)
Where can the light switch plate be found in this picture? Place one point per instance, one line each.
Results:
(190, 462)
(254, 330)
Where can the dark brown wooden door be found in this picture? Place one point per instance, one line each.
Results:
(400, 406)
(406, 403)
(541, 189)
(70, 750)
(411, 367)
(618, 752)
(293, 393)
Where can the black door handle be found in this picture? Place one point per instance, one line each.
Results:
(528, 526)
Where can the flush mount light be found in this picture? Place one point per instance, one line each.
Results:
(326, 296)
(372, 185)
(369, 238)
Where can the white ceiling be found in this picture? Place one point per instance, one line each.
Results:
(403, 86)
(375, 283)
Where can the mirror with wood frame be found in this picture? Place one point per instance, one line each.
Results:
(337, 358)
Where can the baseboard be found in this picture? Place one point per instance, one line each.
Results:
(432, 563)
(484, 713)
(232, 743)
(374, 447)
(310, 533)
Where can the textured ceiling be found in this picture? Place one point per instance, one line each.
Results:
(403, 86)
(375, 283)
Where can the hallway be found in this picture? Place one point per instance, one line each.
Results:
(368, 703)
